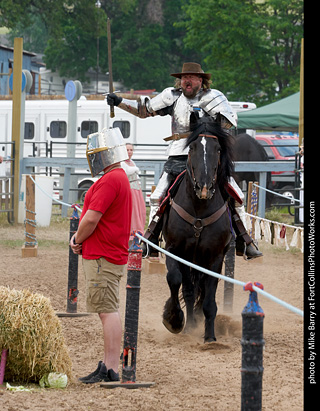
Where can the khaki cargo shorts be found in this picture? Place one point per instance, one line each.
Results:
(102, 281)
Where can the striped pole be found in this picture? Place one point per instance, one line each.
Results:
(73, 268)
(252, 351)
(72, 294)
(130, 338)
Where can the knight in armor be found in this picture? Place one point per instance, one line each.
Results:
(192, 93)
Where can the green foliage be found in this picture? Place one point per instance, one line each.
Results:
(35, 36)
(251, 48)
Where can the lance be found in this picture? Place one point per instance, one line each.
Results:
(110, 65)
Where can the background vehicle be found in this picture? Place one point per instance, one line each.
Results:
(281, 147)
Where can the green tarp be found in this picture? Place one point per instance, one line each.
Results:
(283, 115)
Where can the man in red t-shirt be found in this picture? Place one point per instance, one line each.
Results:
(102, 239)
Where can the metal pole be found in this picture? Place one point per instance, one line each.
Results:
(16, 120)
(73, 268)
(229, 272)
(252, 352)
(130, 339)
(72, 294)
(132, 313)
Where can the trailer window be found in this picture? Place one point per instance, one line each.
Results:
(28, 131)
(124, 127)
(58, 129)
(88, 127)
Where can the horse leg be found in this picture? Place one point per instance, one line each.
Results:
(173, 317)
(188, 292)
(209, 303)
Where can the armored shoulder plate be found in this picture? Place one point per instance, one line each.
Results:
(165, 99)
(214, 102)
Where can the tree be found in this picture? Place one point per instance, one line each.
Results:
(35, 36)
(146, 45)
(251, 48)
(72, 48)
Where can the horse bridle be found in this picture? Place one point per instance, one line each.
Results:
(192, 173)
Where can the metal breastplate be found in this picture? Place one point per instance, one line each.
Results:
(181, 123)
(211, 102)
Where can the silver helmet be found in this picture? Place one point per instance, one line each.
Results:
(105, 148)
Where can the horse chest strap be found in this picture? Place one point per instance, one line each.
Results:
(198, 223)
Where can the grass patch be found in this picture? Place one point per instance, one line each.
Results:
(280, 215)
(41, 243)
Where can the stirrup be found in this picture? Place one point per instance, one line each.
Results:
(148, 251)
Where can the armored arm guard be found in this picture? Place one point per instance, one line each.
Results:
(215, 103)
(146, 107)
(136, 107)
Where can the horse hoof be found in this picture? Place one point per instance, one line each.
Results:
(173, 317)
(169, 327)
(175, 325)
(210, 340)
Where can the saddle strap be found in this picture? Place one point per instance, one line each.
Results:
(199, 223)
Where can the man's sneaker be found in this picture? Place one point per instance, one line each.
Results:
(102, 376)
(113, 376)
(88, 377)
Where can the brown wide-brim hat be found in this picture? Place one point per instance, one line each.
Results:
(192, 68)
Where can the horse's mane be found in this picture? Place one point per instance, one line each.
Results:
(206, 125)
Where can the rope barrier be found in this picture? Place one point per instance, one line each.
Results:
(57, 201)
(274, 222)
(222, 277)
(204, 270)
(277, 194)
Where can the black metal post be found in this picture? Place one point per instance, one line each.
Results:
(130, 339)
(229, 263)
(252, 352)
(130, 343)
(73, 268)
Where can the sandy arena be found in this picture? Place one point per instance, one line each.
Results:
(188, 374)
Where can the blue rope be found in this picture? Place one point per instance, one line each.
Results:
(222, 277)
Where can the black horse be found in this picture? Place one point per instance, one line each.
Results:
(197, 227)
(247, 148)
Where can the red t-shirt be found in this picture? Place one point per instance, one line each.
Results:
(111, 195)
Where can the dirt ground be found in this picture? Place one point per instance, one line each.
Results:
(188, 374)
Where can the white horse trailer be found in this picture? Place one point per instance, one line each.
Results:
(46, 130)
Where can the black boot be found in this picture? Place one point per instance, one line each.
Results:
(244, 243)
(152, 234)
(250, 250)
(148, 251)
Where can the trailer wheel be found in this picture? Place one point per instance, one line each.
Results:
(83, 191)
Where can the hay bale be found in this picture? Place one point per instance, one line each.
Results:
(32, 333)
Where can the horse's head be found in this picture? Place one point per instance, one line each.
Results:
(209, 159)
(202, 165)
